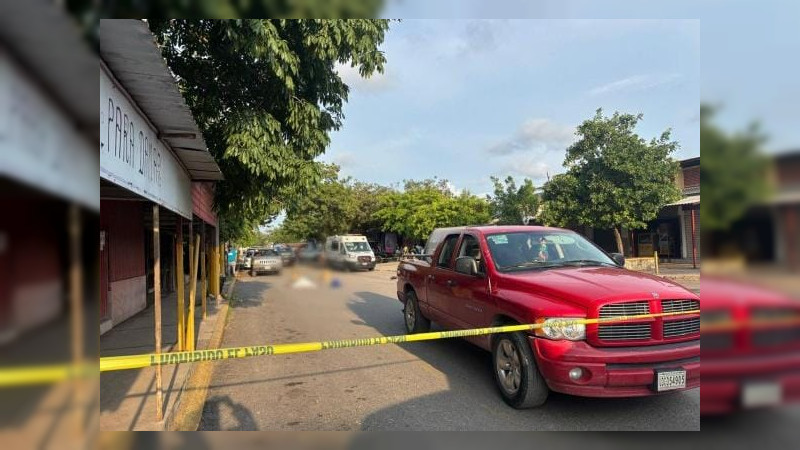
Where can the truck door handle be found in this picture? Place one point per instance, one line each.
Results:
(452, 283)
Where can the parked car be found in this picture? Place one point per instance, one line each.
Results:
(751, 335)
(349, 252)
(288, 256)
(489, 276)
(309, 254)
(245, 258)
(266, 260)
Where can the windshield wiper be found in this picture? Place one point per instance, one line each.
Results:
(586, 262)
(529, 264)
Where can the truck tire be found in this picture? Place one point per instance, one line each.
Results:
(414, 320)
(515, 372)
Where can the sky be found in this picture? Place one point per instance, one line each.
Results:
(468, 99)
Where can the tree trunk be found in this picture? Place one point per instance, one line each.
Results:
(620, 250)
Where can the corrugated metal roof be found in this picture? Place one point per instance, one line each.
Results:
(48, 43)
(131, 53)
(690, 200)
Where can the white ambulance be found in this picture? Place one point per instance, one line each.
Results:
(349, 252)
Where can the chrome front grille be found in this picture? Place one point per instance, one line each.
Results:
(625, 309)
(674, 306)
(716, 341)
(640, 330)
(681, 327)
(776, 337)
(624, 331)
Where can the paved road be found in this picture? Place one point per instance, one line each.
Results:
(437, 385)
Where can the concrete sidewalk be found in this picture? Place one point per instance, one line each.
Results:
(127, 398)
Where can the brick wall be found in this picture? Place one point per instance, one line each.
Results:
(691, 177)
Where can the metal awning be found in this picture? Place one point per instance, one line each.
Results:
(787, 197)
(129, 50)
(690, 200)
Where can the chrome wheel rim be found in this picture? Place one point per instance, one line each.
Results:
(411, 315)
(508, 366)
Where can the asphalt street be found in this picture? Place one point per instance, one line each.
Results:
(435, 385)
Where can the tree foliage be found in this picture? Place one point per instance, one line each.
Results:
(325, 211)
(511, 204)
(266, 95)
(89, 12)
(614, 178)
(732, 175)
(428, 204)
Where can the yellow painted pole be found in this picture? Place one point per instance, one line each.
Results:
(192, 293)
(655, 258)
(180, 294)
(204, 280)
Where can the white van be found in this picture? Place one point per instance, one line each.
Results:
(349, 252)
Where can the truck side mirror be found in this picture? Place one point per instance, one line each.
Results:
(467, 265)
(618, 258)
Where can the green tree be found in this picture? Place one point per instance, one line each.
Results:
(266, 95)
(732, 174)
(325, 211)
(89, 12)
(366, 197)
(513, 205)
(428, 204)
(614, 177)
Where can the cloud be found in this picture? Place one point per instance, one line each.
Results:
(636, 83)
(345, 159)
(378, 82)
(542, 133)
(535, 169)
(479, 36)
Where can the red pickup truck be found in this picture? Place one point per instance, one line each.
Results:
(498, 275)
(751, 347)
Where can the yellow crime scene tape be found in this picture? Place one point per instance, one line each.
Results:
(36, 375)
(49, 374)
(152, 359)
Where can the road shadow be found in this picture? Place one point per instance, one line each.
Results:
(212, 414)
(473, 403)
(250, 292)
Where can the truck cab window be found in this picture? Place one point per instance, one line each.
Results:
(470, 247)
(448, 248)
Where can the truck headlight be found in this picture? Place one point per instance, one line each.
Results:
(561, 328)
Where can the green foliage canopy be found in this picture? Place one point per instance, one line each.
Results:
(266, 95)
(614, 178)
(428, 204)
(511, 204)
(733, 174)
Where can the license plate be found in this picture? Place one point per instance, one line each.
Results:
(755, 395)
(669, 380)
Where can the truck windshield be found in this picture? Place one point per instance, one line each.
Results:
(357, 246)
(541, 249)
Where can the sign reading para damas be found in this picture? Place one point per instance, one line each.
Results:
(132, 156)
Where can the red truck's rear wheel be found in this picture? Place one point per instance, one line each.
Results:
(515, 372)
(415, 321)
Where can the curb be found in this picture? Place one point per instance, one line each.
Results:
(188, 408)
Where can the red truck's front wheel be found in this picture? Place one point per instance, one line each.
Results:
(515, 372)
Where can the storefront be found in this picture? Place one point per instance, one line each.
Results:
(48, 182)
(155, 174)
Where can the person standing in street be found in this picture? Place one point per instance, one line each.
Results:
(232, 254)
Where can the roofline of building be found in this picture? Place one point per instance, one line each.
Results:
(129, 51)
(690, 162)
